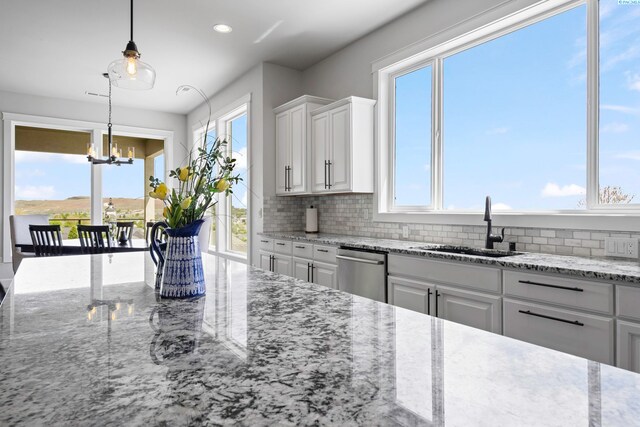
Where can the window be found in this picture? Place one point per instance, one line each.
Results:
(504, 111)
(619, 130)
(238, 200)
(199, 139)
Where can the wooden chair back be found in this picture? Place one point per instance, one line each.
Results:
(127, 227)
(46, 239)
(94, 239)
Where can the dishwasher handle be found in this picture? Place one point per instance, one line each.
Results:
(362, 260)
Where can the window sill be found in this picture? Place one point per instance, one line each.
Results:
(599, 220)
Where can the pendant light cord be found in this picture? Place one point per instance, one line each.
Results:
(109, 124)
(131, 21)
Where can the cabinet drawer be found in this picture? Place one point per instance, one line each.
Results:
(282, 247)
(302, 250)
(453, 273)
(628, 302)
(266, 244)
(583, 335)
(324, 253)
(572, 293)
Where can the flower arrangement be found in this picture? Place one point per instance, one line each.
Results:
(207, 173)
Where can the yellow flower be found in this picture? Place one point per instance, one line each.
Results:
(160, 192)
(165, 212)
(184, 174)
(222, 185)
(185, 203)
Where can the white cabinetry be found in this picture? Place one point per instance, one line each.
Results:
(443, 294)
(628, 350)
(342, 141)
(314, 269)
(292, 144)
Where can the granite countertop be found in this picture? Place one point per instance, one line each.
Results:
(592, 268)
(264, 349)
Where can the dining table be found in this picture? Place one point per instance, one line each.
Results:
(88, 340)
(73, 246)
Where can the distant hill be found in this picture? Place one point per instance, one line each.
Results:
(77, 204)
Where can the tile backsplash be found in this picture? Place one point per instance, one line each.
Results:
(350, 214)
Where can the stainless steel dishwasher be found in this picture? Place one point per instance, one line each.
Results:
(362, 272)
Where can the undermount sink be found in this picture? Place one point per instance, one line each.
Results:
(465, 250)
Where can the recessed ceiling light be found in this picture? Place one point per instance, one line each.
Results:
(222, 28)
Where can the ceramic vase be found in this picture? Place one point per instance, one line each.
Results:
(179, 264)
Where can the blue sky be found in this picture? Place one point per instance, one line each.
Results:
(515, 116)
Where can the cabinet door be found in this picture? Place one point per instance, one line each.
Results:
(301, 269)
(283, 139)
(340, 148)
(283, 265)
(469, 308)
(325, 275)
(265, 261)
(298, 150)
(628, 346)
(410, 294)
(319, 151)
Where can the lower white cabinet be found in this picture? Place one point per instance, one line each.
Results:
(628, 350)
(478, 310)
(409, 294)
(473, 309)
(316, 272)
(281, 264)
(581, 334)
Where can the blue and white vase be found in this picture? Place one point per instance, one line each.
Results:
(180, 273)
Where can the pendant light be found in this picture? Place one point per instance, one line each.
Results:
(129, 72)
(113, 154)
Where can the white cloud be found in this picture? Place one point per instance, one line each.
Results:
(629, 155)
(633, 81)
(30, 173)
(615, 127)
(427, 167)
(498, 131)
(554, 190)
(620, 109)
(630, 53)
(501, 207)
(241, 159)
(37, 157)
(35, 192)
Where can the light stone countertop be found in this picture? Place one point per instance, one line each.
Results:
(618, 270)
(262, 349)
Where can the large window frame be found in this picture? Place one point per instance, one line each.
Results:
(221, 122)
(433, 51)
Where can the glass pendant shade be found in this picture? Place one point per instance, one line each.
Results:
(131, 73)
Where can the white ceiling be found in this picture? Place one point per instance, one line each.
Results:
(60, 48)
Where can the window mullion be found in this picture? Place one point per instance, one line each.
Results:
(436, 137)
(593, 107)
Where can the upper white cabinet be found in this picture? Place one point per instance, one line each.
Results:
(342, 146)
(292, 144)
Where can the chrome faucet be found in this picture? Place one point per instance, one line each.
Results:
(491, 238)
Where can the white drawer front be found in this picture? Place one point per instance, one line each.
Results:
(454, 273)
(583, 335)
(628, 302)
(572, 293)
(324, 253)
(266, 244)
(302, 250)
(282, 247)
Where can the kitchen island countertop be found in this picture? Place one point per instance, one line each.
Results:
(85, 341)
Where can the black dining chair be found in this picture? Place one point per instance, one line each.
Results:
(46, 239)
(160, 234)
(127, 227)
(94, 239)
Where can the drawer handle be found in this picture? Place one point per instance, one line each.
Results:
(571, 322)
(280, 244)
(300, 247)
(566, 288)
(362, 260)
(264, 241)
(323, 250)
